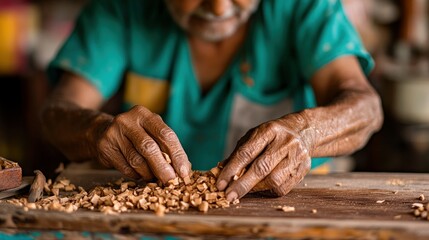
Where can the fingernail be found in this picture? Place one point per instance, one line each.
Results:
(231, 196)
(184, 171)
(221, 185)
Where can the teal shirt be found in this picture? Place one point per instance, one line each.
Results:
(136, 42)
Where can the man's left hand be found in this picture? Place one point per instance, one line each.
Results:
(275, 156)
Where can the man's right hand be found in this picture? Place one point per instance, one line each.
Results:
(133, 143)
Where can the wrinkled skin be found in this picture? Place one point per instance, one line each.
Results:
(133, 143)
(277, 154)
(276, 158)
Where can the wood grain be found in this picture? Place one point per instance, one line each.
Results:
(347, 211)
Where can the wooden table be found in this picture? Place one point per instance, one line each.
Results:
(346, 208)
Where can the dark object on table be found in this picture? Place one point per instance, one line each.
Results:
(36, 189)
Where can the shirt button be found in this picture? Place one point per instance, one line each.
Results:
(249, 81)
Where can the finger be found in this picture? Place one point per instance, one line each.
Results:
(241, 157)
(115, 159)
(260, 168)
(281, 174)
(170, 144)
(295, 166)
(136, 161)
(149, 150)
(292, 181)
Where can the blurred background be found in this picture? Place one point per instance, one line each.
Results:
(396, 32)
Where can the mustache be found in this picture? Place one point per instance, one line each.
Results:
(209, 16)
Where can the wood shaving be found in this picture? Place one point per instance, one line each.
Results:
(167, 158)
(314, 211)
(286, 208)
(380, 201)
(421, 197)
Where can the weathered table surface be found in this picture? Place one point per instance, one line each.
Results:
(346, 208)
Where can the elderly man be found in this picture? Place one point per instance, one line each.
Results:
(206, 80)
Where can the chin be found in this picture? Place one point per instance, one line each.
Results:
(215, 36)
(214, 32)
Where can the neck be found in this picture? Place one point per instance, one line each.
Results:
(236, 39)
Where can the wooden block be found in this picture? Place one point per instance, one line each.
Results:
(10, 174)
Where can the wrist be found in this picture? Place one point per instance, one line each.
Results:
(98, 125)
(301, 125)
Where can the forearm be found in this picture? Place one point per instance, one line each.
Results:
(73, 129)
(342, 126)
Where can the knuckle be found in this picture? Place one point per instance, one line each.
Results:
(139, 109)
(134, 159)
(149, 146)
(121, 119)
(281, 191)
(155, 117)
(262, 168)
(244, 153)
(270, 125)
(275, 180)
(178, 154)
(167, 134)
(307, 165)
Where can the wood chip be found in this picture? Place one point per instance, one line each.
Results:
(174, 181)
(338, 184)
(204, 206)
(416, 213)
(417, 205)
(314, 211)
(187, 180)
(215, 171)
(160, 210)
(380, 201)
(167, 158)
(422, 197)
(286, 208)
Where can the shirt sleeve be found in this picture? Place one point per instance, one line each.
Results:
(95, 49)
(323, 34)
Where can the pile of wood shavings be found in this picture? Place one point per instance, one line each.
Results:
(198, 192)
(7, 164)
(421, 210)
